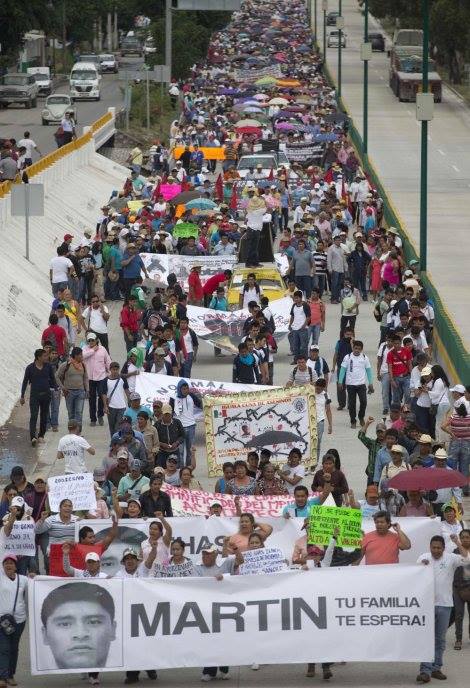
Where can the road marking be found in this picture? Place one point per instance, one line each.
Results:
(440, 151)
(409, 112)
(455, 168)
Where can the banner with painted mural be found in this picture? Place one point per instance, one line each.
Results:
(224, 329)
(276, 419)
(152, 386)
(160, 266)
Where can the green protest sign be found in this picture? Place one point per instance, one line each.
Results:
(324, 519)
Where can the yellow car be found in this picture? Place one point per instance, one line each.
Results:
(269, 281)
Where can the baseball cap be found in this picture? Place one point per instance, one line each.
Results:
(173, 457)
(18, 501)
(13, 557)
(460, 389)
(314, 347)
(215, 503)
(67, 237)
(134, 396)
(129, 552)
(427, 370)
(122, 454)
(92, 556)
(408, 273)
(209, 548)
(166, 408)
(91, 336)
(159, 351)
(425, 439)
(135, 463)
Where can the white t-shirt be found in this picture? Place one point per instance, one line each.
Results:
(382, 353)
(29, 144)
(184, 410)
(293, 471)
(118, 399)
(250, 295)
(73, 448)
(141, 572)
(444, 569)
(299, 317)
(356, 367)
(131, 381)
(321, 400)
(188, 342)
(60, 266)
(94, 319)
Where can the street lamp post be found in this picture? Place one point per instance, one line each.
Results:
(340, 25)
(365, 57)
(424, 111)
(325, 10)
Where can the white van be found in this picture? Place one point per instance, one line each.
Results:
(85, 81)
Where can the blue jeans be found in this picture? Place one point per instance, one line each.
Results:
(187, 365)
(319, 282)
(304, 283)
(385, 382)
(320, 430)
(336, 284)
(299, 342)
(75, 400)
(441, 624)
(402, 390)
(314, 334)
(58, 285)
(185, 447)
(9, 645)
(459, 452)
(53, 419)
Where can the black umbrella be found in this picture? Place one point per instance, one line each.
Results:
(185, 197)
(267, 439)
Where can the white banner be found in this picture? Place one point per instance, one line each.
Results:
(199, 531)
(152, 386)
(386, 614)
(21, 541)
(225, 328)
(78, 487)
(282, 263)
(160, 266)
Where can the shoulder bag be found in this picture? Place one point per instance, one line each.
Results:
(7, 621)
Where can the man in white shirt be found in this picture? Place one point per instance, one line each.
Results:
(131, 568)
(60, 270)
(72, 448)
(30, 146)
(96, 319)
(356, 374)
(298, 326)
(443, 565)
(382, 372)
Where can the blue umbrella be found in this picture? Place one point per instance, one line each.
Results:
(201, 204)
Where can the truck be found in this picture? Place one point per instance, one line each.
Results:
(18, 88)
(406, 67)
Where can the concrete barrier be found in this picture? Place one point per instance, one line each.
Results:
(77, 182)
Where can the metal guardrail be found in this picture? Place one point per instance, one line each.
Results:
(451, 348)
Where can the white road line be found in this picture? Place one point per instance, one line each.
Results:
(440, 151)
(409, 112)
(455, 168)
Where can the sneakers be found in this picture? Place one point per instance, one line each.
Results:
(458, 645)
(310, 671)
(423, 678)
(93, 424)
(439, 675)
(100, 420)
(94, 681)
(225, 677)
(254, 667)
(206, 678)
(34, 442)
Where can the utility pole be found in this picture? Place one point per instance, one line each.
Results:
(116, 34)
(168, 35)
(424, 113)
(315, 20)
(64, 40)
(340, 25)
(325, 10)
(147, 93)
(366, 55)
(109, 32)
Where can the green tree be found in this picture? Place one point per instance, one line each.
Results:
(449, 24)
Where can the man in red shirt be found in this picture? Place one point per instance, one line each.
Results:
(56, 335)
(195, 286)
(212, 284)
(399, 361)
(381, 546)
(130, 322)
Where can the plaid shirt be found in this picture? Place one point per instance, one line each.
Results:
(373, 447)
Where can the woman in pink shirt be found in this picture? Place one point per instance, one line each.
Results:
(239, 541)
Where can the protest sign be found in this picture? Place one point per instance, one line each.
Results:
(224, 329)
(386, 615)
(78, 487)
(160, 266)
(251, 75)
(263, 560)
(282, 263)
(276, 419)
(152, 386)
(21, 541)
(325, 519)
(197, 502)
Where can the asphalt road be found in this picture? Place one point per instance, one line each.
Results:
(15, 119)
(394, 149)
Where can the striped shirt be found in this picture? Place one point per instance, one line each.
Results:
(58, 530)
(460, 427)
(320, 263)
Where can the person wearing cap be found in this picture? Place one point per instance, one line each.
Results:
(457, 425)
(60, 270)
(96, 360)
(20, 484)
(423, 453)
(422, 405)
(443, 495)
(395, 466)
(13, 596)
(92, 564)
(73, 380)
(215, 509)
(171, 435)
(19, 511)
(383, 456)
(133, 484)
(72, 448)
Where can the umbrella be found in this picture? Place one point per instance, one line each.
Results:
(266, 81)
(285, 126)
(201, 204)
(185, 196)
(252, 108)
(278, 101)
(183, 230)
(256, 131)
(260, 96)
(248, 123)
(427, 479)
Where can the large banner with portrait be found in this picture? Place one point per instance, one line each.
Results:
(275, 419)
(385, 614)
(224, 329)
(160, 266)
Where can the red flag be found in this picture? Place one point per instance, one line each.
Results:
(219, 188)
(234, 198)
(156, 191)
(328, 177)
(271, 175)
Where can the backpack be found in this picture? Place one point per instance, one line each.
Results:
(153, 321)
(294, 373)
(377, 314)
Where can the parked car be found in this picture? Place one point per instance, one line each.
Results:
(19, 88)
(108, 63)
(378, 42)
(42, 76)
(130, 45)
(55, 108)
(331, 18)
(91, 57)
(333, 39)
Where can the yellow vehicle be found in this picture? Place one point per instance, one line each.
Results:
(269, 281)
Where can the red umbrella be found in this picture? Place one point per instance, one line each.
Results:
(427, 479)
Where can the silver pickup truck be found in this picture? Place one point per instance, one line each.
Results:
(18, 88)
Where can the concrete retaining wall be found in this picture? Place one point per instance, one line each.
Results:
(75, 189)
